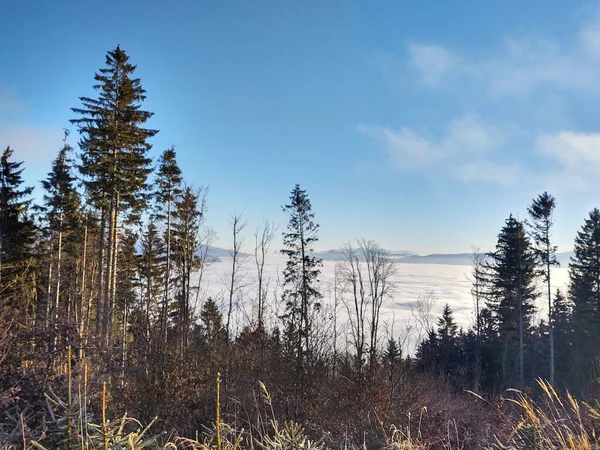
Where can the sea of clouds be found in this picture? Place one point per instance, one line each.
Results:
(441, 283)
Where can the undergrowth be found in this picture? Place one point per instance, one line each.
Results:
(550, 421)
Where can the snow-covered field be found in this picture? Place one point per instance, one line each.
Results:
(445, 283)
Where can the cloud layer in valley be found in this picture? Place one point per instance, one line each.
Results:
(444, 283)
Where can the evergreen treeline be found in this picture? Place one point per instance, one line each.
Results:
(111, 261)
(506, 347)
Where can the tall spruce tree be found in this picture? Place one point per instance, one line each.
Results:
(17, 231)
(562, 319)
(511, 295)
(169, 181)
(541, 214)
(114, 161)
(301, 293)
(447, 327)
(61, 208)
(152, 271)
(584, 292)
(188, 217)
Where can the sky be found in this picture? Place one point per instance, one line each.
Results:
(421, 125)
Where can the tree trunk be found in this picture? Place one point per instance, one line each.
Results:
(115, 272)
(82, 316)
(99, 296)
(108, 274)
(165, 303)
(58, 282)
(550, 318)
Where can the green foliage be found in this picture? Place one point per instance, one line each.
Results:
(290, 437)
(114, 145)
(17, 232)
(301, 293)
(584, 292)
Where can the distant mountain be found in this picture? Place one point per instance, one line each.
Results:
(564, 258)
(465, 259)
(455, 259)
(338, 254)
(216, 254)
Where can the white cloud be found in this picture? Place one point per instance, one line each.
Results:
(432, 62)
(532, 63)
(577, 154)
(576, 158)
(406, 148)
(524, 65)
(471, 134)
(466, 137)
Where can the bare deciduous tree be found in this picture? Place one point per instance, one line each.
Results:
(263, 237)
(366, 272)
(421, 312)
(477, 280)
(235, 282)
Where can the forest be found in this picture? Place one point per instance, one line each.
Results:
(107, 340)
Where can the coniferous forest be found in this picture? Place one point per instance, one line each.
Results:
(108, 341)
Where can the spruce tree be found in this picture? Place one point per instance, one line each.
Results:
(152, 273)
(541, 213)
(301, 293)
(584, 292)
(447, 327)
(214, 333)
(169, 181)
(188, 217)
(61, 208)
(17, 231)
(126, 287)
(114, 161)
(392, 358)
(562, 319)
(511, 295)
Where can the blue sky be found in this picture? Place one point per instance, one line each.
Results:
(421, 125)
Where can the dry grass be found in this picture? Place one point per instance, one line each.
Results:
(551, 421)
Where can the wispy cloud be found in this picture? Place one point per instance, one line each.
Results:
(576, 156)
(524, 64)
(432, 62)
(463, 149)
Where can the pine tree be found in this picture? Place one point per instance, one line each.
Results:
(17, 232)
(511, 296)
(126, 287)
(168, 190)
(541, 213)
(301, 273)
(114, 161)
(448, 341)
(152, 271)
(62, 215)
(214, 333)
(427, 355)
(392, 357)
(447, 327)
(562, 319)
(584, 292)
(188, 217)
